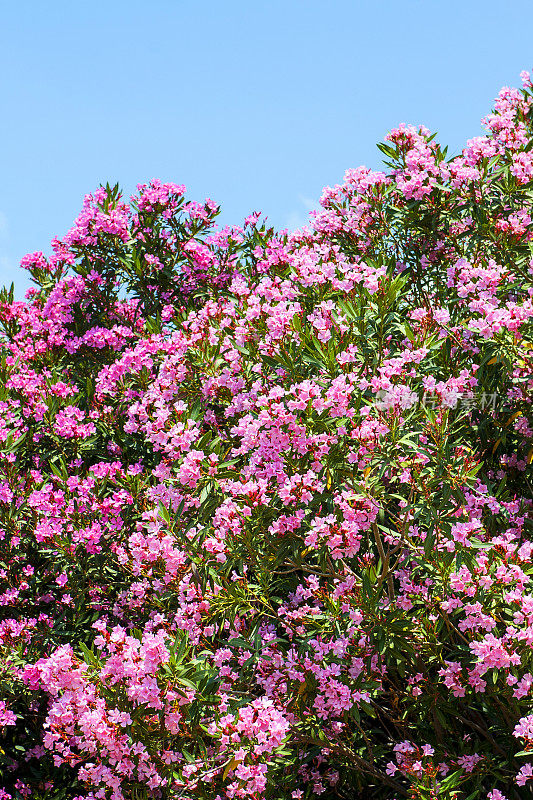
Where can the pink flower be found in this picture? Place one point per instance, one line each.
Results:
(7, 717)
(524, 775)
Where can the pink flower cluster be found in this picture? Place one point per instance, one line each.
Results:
(261, 533)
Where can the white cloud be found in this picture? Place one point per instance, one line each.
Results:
(4, 228)
(10, 273)
(309, 203)
(300, 217)
(6, 266)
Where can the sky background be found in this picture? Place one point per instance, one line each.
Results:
(256, 105)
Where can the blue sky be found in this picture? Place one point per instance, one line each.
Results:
(257, 105)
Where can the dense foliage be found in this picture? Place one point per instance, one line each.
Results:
(265, 499)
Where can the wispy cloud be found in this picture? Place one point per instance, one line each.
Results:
(299, 217)
(6, 265)
(4, 227)
(8, 271)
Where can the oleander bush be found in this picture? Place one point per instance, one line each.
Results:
(266, 498)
